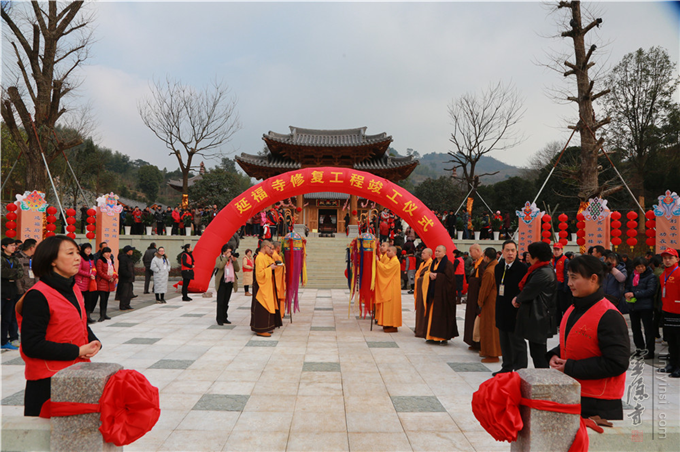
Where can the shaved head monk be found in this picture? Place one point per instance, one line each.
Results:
(441, 299)
(388, 291)
(280, 276)
(264, 310)
(474, 279)
(420, 295)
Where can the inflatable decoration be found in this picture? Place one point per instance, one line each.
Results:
(295, 255)
(310, 180)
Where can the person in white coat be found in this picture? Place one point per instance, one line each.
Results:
(160, 266)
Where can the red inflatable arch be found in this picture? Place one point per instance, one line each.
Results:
(310, 180)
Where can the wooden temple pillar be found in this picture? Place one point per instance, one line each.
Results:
(353, 226)
(300, 222)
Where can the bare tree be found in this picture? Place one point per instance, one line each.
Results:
(190, 122)
(482, 124)
(587, 125)
(50, 41)
(642, 85)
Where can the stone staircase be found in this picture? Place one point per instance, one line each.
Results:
(325, 260)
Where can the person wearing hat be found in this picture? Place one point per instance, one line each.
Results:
(560, 264)
(670, 305)
(126, 276)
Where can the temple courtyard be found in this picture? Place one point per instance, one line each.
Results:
(324, 382)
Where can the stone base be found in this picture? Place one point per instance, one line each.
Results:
(300, 229)
(81, 383)
(26, 433)
(353, 231)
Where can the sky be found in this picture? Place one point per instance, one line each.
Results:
(392, 67)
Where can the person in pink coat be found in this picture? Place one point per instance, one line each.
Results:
(85, 279)
(106, 278)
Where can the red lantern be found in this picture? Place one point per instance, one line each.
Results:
(631, 241)
(70, 220)
(51, 210)
(90, 227)
(90, 235)
(649, 214)
(11, 216)
(563, 218)
(11, 233)
(11, 224)
(564, 242)
(631, 232)
(563, 234)
(12, 207)
(651, 241)
(616, 241)
(581, 233)
(71, 228)
(546, 218)
(650, 233)
(632, 224)
(581, 225)
(631, 215)
(562, 226)
(616, 224)
(51, 219)
(71, 212)
(91, 212)
(580, 241)
(616, 215)
(649, 224)
(616, 233)
(546, 226)
(546, 234)
(51, 227)
(581, 217)
(90, 220)
(49, 234)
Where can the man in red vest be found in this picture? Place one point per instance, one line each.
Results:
(594, 345)
(670, 301)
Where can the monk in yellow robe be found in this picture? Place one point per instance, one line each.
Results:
(382, 257)
(388, 291)
(264, 310)
(420, 296)
(280, 275)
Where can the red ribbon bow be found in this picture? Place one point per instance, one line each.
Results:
(129, 407)
(496, 407)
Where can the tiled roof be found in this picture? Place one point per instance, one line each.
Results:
(384, 162)
(269, 161)
(327, 138)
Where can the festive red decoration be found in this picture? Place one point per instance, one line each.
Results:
(650, 224)
(563, 226)
(651, 241)
(129, 408)
(71, 228)
(90, 227)
(649, 215)
(546, 226)
(546, 218)
(631, 215)
(51, 227)
(11, 225)
(582, 233)
(650, 233)
(49, 234)
(564, 242)
(616, 241)
(563, 234)
(11, 216)
(90, 235)
(581, 225)
(616, 215)
(563, 218)
(71, 212)
(631, 224)
(90, 220)
(631, 241)
(298, 209)
(616, 224)
(11, 233)
(51, 210)
(11, 207)
(581, 217)
(51, 218)
(631, 232)
(580, 241)
(91, 212)
(354, 212)
(546, 234)
(70, 220)
(616, 233)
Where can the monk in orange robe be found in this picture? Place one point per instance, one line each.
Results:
(264, 310)
(280, 275)
(382, 257)
(388, 291)
(420, 296)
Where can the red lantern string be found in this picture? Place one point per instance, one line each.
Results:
(71, 222)
(51, 219)
(632, 229)
(546, 228)
(91, 214)
(11, 225)
(615, 229)
(580, 229)
(563, 234)
(650, 232)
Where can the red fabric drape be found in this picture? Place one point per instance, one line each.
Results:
(496, 407)
(129, 408)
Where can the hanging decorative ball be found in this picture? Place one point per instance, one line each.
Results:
(563, 218)
(650, 233)
(564, 242)
(650, 224)
(616, 224)
(581, 217)
(11, 225)
(70, 220)
(631, 232)
(631, 215)
(71, 228)
(546, 234)
(616, 241)
(11, 216)
(616, 215)
(91, 212)
(632, 224)
(90, 227)
(581, 225)
(90, 220)
(354, 213)
(51, 218)
(563, 226)
(650, 241)
(71, 212)
(616, 233)
(649, 215)
(632, 241)
(51, 210)
(12, 207)
(298, 209)
(581, 233)
(546, 226)
(11, 233)
(90, 235)
(580, 241)
(563, 234)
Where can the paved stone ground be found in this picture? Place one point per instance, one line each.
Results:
(322, 383)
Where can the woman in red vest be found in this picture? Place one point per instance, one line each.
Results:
(53, 320)
(187, 260)
(594, 345)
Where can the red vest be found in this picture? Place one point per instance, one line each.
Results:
(190, 261)
(582, 343)
(65, 327)
(251, 263)
(670, 281)
(558, 266)
(460, 268)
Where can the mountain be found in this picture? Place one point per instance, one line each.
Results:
(434, 165)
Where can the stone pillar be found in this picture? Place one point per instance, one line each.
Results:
(300, 225)
(81, 383)
(546, 430)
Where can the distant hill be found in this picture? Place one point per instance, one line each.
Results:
(434, 165)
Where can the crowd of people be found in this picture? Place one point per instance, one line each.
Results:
(179, 220)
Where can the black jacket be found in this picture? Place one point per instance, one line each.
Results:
(536, 319)
(126, 268)
(149, 254)
(644, 292)
(506, 313)
(12, 271)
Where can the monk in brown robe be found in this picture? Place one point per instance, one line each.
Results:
(474, 282)
(441, 299)
(490, 343)
(264, 310)
(388, 291)
(420, 295)
(280, 276)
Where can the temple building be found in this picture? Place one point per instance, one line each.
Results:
(348, 148)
